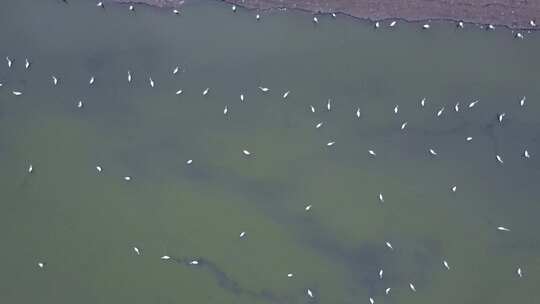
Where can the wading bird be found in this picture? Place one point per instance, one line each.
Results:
(309, 293)
(432, 152)
(329, 105)
(137, 251)
(290, 275)
(30, 169)
(189, 161)
(175, 70)
(445, 263)
(308, 207)
(129, 76)
(519, 272)
(242, 234)
(9, 62)
(165, 257)
(225, 110)
(246, 152)
(377, 24)
(403, 125)
(426, 26)
(319, 125)
(381, 274)
(54, 80)
(330, 143)
(522, 101)
(258, 17)
(456, 107)
(16, 93)
(389, 245)
(40, 265)
(176, 12)
(26, 63)
(100, 4)
(371, 300)
(387, 290)
(502, 228)
(98, 169)
(179, 92)
(91, 81)
(131, 8)
(358, 112)
(439, 113)
(381, 199)
(412, 287)
(79, 104)
(205, 92)
(499, 159)
(127, 178)
(396, 109)
(468, 138)
(151, 82)
(312, 109)
(241, 97)
(264, 89)
(472, 104)
(526, 154)
(460, 24)
(423, 102)
(286, 94)
(372, 153)
(233, 8)
(315, 20)
(393, 23)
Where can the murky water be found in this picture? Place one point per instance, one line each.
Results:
(83, 224)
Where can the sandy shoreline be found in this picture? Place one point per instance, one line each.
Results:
(511, 13)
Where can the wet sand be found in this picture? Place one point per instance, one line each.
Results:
(513, 14)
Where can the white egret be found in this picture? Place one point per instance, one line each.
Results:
(233, 8)
(499, 159)
(16, 93)
(412, 287)
(432, 152)
(189, 161)
(502, 228)
(387, 290)
(491, 27)
(26, 63)
(468, 138)
(372, 153)
(151, 82)
(381, 199)
(333, 15)
(315, 20)
(98, 169)
(179, 92)
(176, 12)
(456, 107)
(371, 300)
(205, 91)
(519, 35)
(194, 262)
(258, 17)
(381, 273)
(423, 102)
(91, 81)
(526, 154)
(100, 4)
(127, 178)
(309, 293)
(501, 116)
(426, 26)
(445, 263)
(393, 23)
(439, 113)
(175, 70)
(330, 143)
(329, 105)
(319, 125)
(312, 109)
(165, 257)
(308, 207)
(403, 125)
(241, 97)
(264, 89)
(377, 24)
(79, 104)
(532, 23)
(358, 112)
(522, 101)
(225, 110)
(131, 8)
(290, 275)
(454, 188)
(246, 152)
(396, 109)
(30, 169)
(389, 245)
(286, 94)
(519, 272)
(242, 234)
(9, 62)
(129, 76)
(472, 104)
(137, 251)
(460, 24)
(41, 265)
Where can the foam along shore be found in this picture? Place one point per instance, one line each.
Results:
(515, 15)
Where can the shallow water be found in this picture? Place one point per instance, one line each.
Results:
(83, 224)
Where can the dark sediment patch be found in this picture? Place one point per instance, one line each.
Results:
(510, 13)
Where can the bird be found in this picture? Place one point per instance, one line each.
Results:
(319, 125)
(432, 152)
(387, 290)
(205, 91)
(423, 102)
(468, 138)
(519, 272)
(258, 17)
(519, 35)
(179, 92)
(456, 107)
(333, 15)
(412, 287)
(426, 26)
(393, 23)
(439, 113)
(263, 89)
(381, 199)
(41, 265)
(100, 4)
(500, 117)
(372, 153)
(234, 8)
(309, 293)
(246, 152)
(502, 228)
(445, 263)
(381, 273)
(377, 24)
(389, 245)
(30, 169)
(175, 70)
(330, 143)
(526, 154)
(241, 97)
(1, 84)
(98, 168)
(290, 275)
(490, 27)
(9, 61)
(396, 109)
(242, 234)
(315, 20)
(137, 251)
(151, 81)
(54, 80)
(371, 300)
(532, 23)
(26, 63)
(403, 125)
(165, 257)
(460, 24)
(308, 207)
(286, 94)
(329, 105)
(79, 104)
(225, 110)
(472, 104)
(522, 101)
(131, 8)
(312, 109)
(129, 76)
(127, 178)
(91, 81)
(16, 93)
(358, 112)
(189, 161)
(194, 262)
(176, 12)
(499, 159)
